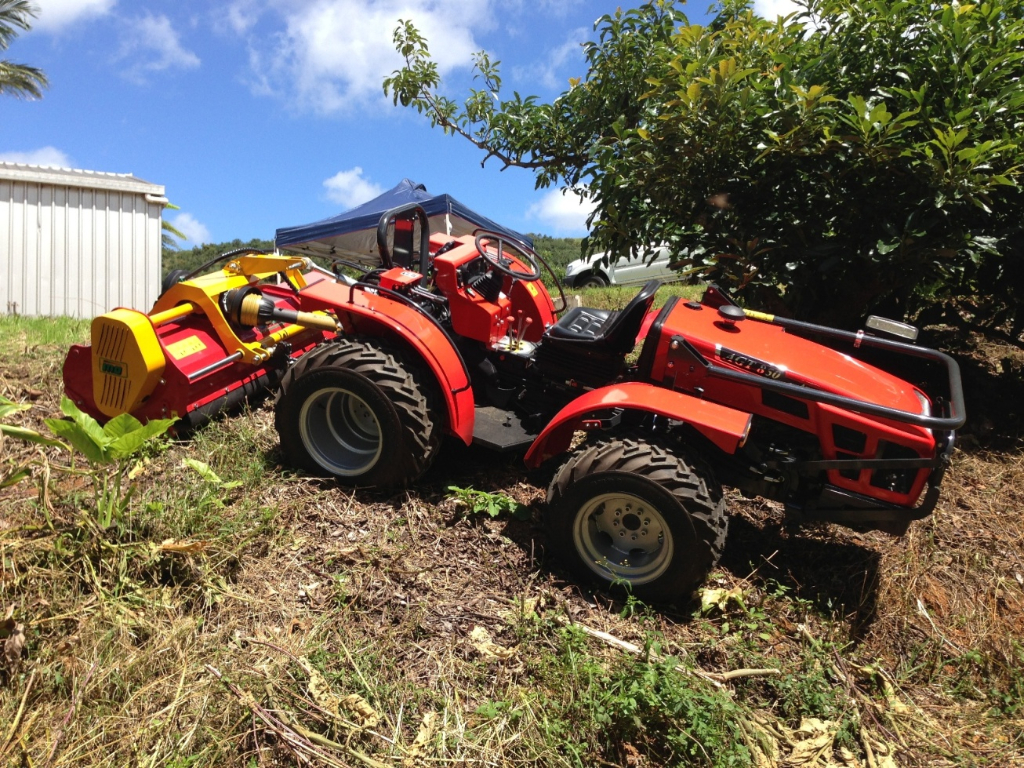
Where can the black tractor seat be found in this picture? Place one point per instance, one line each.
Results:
(590, 345)
(614, 332)
(580, 322)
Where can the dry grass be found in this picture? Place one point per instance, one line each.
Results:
(289, 622)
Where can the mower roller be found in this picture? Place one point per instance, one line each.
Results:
(457, 336)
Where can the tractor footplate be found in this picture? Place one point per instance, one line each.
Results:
(500, 430)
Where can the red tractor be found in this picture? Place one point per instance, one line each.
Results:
(459, 337)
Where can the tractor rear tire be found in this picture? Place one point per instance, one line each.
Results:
(630, 514)
(358, 411)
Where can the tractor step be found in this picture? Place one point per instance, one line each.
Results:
(500, 430)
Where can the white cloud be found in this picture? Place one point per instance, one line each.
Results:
(770, 9)
(42, 156)
(546, 72)
(332, 55)
(242, 15)
(349, 188)
(152, 45)
(194, 231)
(562, 210)
(54, 15)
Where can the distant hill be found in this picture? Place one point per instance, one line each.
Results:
(557, 251)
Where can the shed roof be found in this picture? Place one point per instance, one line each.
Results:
(73, 177)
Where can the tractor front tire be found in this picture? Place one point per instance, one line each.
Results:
(592, 280)
(359, 412)
(630, 514)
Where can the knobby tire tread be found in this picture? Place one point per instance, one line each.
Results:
(415, 400)
(700, 496)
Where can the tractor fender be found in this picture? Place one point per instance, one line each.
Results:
(725, 427)
(375, 314)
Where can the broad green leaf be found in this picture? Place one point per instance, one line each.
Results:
(81, 440)
(121, 425)
(88, 425)
(129, 443)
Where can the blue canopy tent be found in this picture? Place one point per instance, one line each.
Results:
(353, 235)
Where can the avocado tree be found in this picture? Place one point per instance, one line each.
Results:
(853, 156)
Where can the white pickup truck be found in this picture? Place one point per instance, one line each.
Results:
(590, 272)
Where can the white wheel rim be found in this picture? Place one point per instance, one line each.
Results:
(340, 431)
(622, 537)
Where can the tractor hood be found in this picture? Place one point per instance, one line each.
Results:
(768, 350)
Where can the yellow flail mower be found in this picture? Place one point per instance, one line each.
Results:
(210, 341)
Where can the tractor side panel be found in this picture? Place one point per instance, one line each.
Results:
(724, 426)
(362, 312)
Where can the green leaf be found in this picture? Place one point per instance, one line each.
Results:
(204, 470)
(130, 442)
(122, 425)
(14, 477)
(8, 407)
(31, 436)
(80, 439)
(88, 425)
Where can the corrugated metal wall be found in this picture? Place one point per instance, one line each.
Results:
(78, 252)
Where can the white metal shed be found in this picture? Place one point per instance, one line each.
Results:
(77, 243)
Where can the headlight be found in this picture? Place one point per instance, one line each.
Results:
(926, 406)
(573, 267)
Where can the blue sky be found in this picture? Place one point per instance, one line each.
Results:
(259, 114)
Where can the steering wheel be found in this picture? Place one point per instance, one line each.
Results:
(505, 265)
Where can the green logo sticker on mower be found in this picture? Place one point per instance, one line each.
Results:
(114, 368)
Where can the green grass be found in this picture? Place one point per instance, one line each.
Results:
(616, 297)
(20, 334)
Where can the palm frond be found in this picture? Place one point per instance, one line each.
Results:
(15, 16)
(21, 81)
